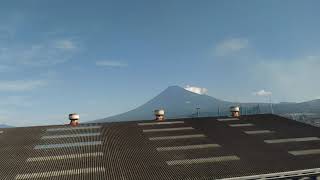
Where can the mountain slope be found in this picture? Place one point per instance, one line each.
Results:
(176, 101)
(179, 103)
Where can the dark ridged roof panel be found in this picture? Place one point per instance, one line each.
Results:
(256, 146)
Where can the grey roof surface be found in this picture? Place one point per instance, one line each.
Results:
(203, 148)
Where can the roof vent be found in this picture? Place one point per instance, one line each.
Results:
(74, 119)
(159, 113)
(235, 111)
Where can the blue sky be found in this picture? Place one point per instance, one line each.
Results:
(100, 58)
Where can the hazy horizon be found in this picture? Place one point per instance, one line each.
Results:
(101, 58)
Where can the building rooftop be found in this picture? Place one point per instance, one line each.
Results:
(258, 146)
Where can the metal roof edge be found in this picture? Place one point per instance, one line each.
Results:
(279, 175)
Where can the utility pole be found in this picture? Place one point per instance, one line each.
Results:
(198, 111)
(271, 107)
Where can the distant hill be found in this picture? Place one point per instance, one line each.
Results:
(5, 126)
(304, 107)
(179, 103)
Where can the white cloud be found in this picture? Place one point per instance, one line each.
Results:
(21, 85)
(111, 64)
(15, 101)
(292, 80)
(5, 32)
(39, 54)
(231, 46)
(4, 68)
(65, 44)
(263, 93)
(197, 90)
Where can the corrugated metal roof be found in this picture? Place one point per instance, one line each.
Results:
(139, 150)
